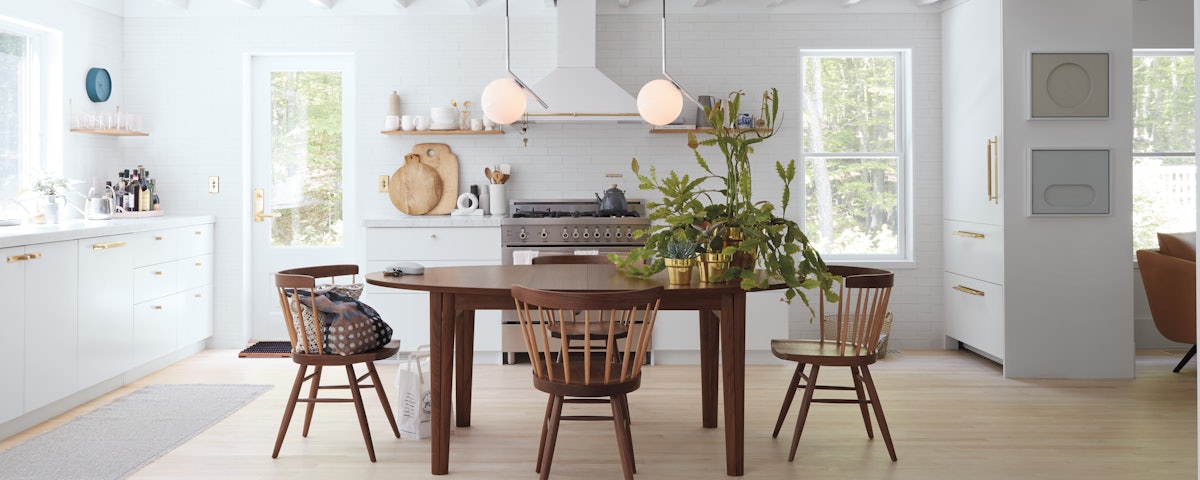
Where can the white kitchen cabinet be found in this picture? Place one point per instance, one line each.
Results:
(406, 311)
(676, 338)
(51, 331)
(972, 170)
(106, 313)
(12, 342)
(155, 328)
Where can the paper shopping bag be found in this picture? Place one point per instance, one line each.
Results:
(412, 380)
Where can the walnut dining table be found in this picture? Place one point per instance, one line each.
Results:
(455, 293)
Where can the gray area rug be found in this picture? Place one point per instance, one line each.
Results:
(118, 439)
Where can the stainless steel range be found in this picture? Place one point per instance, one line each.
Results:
(562, 227)
(566, 227)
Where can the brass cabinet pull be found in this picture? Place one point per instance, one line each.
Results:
(158, 273)
(198, 295)
(969, 290)
(993, 165)
(158, 237)
(962, 233)
(198, 264)
(157, 307)
(22, 258)
(106, 246)
(198, 232)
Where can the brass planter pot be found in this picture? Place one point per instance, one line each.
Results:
(713, 265)
(679, 270)
(743, 260)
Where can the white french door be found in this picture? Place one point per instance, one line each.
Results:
(302, 160)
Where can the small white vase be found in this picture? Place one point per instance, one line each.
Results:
(49, 207)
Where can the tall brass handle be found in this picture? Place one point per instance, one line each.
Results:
(963, 233)
(106, 246)
(969, 290)
(260, 213)
(993, 165)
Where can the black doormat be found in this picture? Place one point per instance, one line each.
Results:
(267, 348)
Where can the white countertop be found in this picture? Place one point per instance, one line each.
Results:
(74, 229)
(435, 221)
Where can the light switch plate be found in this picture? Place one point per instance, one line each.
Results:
(214, 184)
(383, 183)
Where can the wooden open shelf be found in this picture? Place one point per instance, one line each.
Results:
(699, 130)
(110, 132)
(442, 132)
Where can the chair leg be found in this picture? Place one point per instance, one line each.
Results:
(1187, 357)
(804, 406)
(362, 412)
(291, 407)
(787, 399)
(387, 406)
(883, 428)
(313, 390)
(551, 437)
(628, 432)
(862, 400)
(624, 445)
(545, 426)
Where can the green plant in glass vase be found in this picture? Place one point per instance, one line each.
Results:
(716, 209)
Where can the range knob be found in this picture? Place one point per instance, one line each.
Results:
(619, 235)
(608, 234)
(576, 233)
(522, 234)
(596, 233)
(565, 236)
(585, 233)
(544, 234)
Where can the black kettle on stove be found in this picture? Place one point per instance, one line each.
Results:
(613, 200)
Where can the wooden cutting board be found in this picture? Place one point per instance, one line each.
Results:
(415, 188)
(441, 159)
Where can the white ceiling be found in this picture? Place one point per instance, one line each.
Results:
(170, 8)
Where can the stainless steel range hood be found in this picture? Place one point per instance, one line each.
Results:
(576, 91)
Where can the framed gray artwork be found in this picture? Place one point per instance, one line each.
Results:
(1068, 85)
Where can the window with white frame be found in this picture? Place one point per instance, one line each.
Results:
(854, 153)
(1164, 144)
(21, 144)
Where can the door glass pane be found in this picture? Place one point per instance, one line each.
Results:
(1164, 198)
(851, 204)
(849, 104)
(306, 158)
(14, 124)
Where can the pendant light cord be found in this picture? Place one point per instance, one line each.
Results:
(508, 67)
(664, 58)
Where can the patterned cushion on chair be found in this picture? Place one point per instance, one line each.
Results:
(348, 326)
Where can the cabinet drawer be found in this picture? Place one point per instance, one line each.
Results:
(195, 321)
(155, 326)
(155, 281)
(975, 250)
(195, 271)
(155, 246)
(417, 244)
(974, 313)
(194, 240)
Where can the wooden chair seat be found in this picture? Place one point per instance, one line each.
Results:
(382, 353)
(577, 331)
(826, 353)
(598, 387)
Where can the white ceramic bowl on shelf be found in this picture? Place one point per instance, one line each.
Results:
(443, 118)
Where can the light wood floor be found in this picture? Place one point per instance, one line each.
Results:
(952, 416)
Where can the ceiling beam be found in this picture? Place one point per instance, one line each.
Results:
(322, 3)
(249, 3)
(181, 4)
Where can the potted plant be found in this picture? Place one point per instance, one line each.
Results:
(51, 188)
(679, 259)
(718, 210)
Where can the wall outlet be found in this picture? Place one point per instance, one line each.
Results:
(383, 183)
(214, 184)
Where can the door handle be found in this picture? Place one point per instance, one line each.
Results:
(969, 290)
(993, 170)
(259, 206)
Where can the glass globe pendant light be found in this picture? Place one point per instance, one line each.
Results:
(660, 100)
(504, 98)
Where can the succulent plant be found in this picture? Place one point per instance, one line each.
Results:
(680, 249)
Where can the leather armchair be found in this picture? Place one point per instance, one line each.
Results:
(1170, 284)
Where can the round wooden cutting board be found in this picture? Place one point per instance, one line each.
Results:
(415, 188)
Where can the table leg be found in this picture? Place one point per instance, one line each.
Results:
(464, 360)
(710, 331)
(441, 377)
(733, 363)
